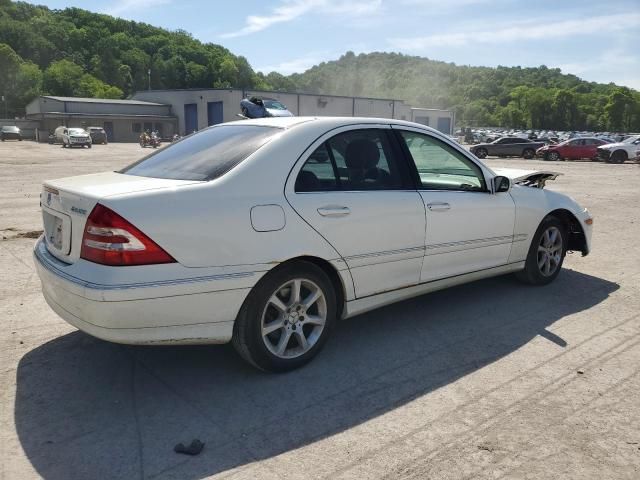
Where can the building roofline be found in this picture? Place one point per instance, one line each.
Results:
(104, 101)
(98, 115)
(243, 90)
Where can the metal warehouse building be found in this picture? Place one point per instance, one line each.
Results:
(123, 120)
(198, 108)
(185, 111)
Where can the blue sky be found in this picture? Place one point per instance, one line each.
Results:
(596, 40)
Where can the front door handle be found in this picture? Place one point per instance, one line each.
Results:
(334, 211)
(438, 206)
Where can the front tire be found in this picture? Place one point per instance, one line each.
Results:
(553, 156)
(618, 156)
(287, 318)
(528, 154)
(481, 153)
(546, 253)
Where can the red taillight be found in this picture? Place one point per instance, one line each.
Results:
(109, 239)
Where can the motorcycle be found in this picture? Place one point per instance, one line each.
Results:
(149, 140)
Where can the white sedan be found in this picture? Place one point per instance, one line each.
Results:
(266, 232)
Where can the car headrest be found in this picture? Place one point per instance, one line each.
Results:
(362, 154)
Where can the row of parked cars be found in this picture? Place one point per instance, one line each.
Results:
(66, 136)
(594, 148)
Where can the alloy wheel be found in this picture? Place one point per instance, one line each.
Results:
(550, 251)
(293, 319)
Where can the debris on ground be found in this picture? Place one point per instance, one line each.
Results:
(194, 448)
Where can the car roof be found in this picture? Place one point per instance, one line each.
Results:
(330, 122)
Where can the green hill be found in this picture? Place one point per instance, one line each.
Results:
(75, 52)
(538, 97)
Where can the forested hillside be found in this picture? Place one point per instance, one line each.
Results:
(538, 97)
(76, 52)
(79, 53)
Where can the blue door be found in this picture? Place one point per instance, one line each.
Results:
(214, 113)
(108, 129)
(190, 118)
(444, 125)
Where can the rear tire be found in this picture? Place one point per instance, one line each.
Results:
(269, 330)
(546, 253)
(528, 154)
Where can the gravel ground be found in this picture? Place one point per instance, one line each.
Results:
(484, 381)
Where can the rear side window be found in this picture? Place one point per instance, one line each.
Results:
(355, 160)
(206, 155)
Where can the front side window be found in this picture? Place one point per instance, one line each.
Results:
(440, 166)
(206, 155)
(355, 160)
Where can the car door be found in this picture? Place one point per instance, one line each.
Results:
(469, 228)
(591, 147)
(574, 149)
(355, 190)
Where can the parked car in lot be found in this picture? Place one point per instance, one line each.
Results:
(621, 151)
(258, 107)
(266, 232)
(573, 149)
(507, 147)
(10, 133)
(98, 135)
(72, 137)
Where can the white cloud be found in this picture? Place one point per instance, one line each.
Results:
(618, 64)
(295, 65)
(530, 30)
(290, 10)
(123, 6)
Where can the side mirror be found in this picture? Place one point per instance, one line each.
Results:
(501, 184)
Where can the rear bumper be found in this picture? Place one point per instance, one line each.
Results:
(604, 155)
(187, 312)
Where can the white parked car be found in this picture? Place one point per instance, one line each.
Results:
(72, 137)
(266, 232)
(619, 152)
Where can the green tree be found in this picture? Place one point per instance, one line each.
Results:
(62, 78)
(621, 109)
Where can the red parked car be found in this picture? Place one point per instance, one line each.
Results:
(584, 147)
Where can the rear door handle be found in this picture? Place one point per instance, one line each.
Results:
(438, 206)
(334, 211)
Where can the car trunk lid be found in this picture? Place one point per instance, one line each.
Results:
(67, 202)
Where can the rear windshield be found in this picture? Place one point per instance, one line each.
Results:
(10, 129)
(205, 155)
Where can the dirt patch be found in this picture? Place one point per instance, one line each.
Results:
(27, 234)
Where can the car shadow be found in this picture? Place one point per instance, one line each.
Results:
(90, 409)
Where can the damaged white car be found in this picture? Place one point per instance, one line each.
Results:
(266, 232)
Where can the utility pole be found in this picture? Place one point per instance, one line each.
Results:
(5, 100)
(149, 73)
